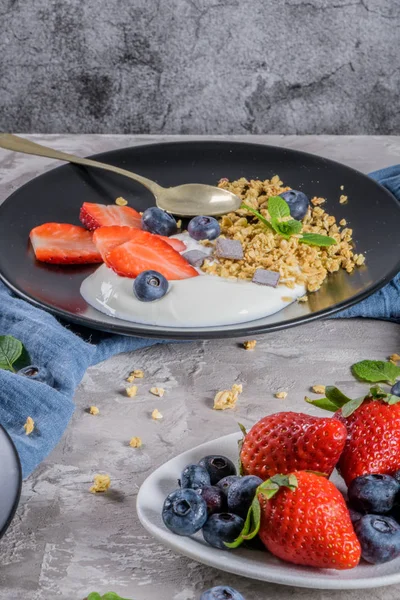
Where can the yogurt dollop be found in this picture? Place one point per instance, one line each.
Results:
(204, 301)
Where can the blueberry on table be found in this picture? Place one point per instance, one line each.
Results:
(241, 494)
(225, 483)
(218, 467)
(373, 493)
(396, 389)
(149, 286)
(221, 528)
(156, 220)
(221, 592)
(35, 373)
(184, 512)
(204, 228)
(298, 203)
(379, 537)
(214, 498)
(194, 477)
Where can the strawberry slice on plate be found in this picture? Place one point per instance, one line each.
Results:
(64, 244)
(147, 251)
(93, 216)
(108, 238)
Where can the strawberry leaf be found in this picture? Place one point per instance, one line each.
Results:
(240, 445)
(251, 525)
(323, 403)
(269, 488)
(336, 396)
(352, 406)
(376, 371)
(377, 392)
(392, 399)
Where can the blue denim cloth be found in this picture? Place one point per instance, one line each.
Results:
(67, 355)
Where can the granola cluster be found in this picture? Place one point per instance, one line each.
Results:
(296, 263)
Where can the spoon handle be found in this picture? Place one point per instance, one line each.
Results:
(17, 144)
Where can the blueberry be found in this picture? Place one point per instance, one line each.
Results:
(194, 477)
(184, 512)
(222, 527)
(298, 203)
(221, 592)
(354, 515)
(204, 228)
(396, 389)
(37, 374)
(158, 221)
(396, 476)
(218, 467)
(214, 498)
(373, 493)
(241, 494)
(149, 286)
(226, 483)
(379, 537)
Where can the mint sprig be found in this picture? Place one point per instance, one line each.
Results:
(106, 596)
(13, 355)
(336, 400)
(376, 371)
(279, 210)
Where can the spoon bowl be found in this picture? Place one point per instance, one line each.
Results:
(187, 200)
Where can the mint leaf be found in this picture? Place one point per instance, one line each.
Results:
(377, 392)
(376, 371)
(323, 403)
(392, 399)
(10, 351)
(315, 239)
(106, 596)
(278, 208)
(352, 406)
(286, 228)
(336, 396)
(257, 214)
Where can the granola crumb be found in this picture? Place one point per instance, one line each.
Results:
(156, 415)
(287, 299)
(342, 187)
(394, 357)
(136, 374)
(318, 201)
(135, 442)
(157, 391)
(121, 201)
(343, 222)
(101, 484)
(250, 344)
(93, 410)
(29, 426)
(303, 298)
(179, 223)
(227, 398)
(281, 395)
(343, 199)
(131, 391)
(318, 389)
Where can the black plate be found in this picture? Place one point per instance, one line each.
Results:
(10, 480)
(372, 212)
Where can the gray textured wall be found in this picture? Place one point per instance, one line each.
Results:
(200, 66)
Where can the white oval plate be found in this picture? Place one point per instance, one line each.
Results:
(254, 564)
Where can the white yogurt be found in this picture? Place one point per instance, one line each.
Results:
(204, 301)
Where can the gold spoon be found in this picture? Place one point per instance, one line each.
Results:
(187, 200)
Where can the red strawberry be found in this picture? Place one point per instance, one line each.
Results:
(60, 243)
(373, 443)
(108, 238)
(93, 216)
(147, 251)
(305, 521)
(288, 441)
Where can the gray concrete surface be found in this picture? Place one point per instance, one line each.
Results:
(64, 541)
(200, 66)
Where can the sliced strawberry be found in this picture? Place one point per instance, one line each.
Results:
(147, 251)
(93, 216)
(108, 238)
(64, 244)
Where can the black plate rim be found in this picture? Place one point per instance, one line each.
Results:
(18, 494)
(204, 333)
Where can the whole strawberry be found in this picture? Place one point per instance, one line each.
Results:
(287, 441)
(302, 518)
(373, 443)
(308, 523)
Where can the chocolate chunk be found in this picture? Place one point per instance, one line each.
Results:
(232, 249)
(195, 257)
(265, 277)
